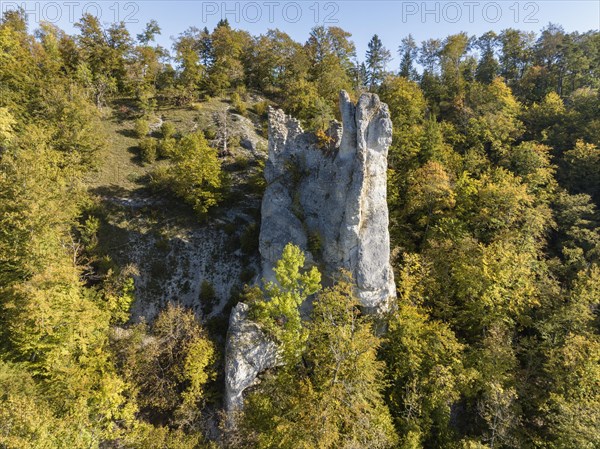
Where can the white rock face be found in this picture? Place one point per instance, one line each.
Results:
(249, 352)
(332, 204)
(332, 201)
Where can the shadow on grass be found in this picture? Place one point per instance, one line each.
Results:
(112, 191)
(136, 156)
(130, 133)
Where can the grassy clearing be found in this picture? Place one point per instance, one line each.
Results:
(120, 162)
(122, 178)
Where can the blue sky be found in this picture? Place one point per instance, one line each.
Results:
(391, 20)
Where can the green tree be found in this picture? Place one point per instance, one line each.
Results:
(549, 53)
(278, 312)
(333, 399)
(571, 355)
(26, 419)
(407, 109)
(493, 118)
(408, 55)
(581, 170)
(330, 54)
(52, 326)
(488, 66)
(104, 53)
(149, 33)
(347, 377)
(228, 48)
(424, 365)
(575, 239)
(194, 174)
(516, 54)
(429, 193)
(452, 56)
(146, 67)
(274, 61)
(546, 121)
(7, 122)
(191, 71)
(168, 365)
(574, 403)
(376, 59)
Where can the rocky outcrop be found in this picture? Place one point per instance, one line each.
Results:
(328, 196)
(249, 352)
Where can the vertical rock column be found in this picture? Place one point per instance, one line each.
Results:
(335, 197)
(331, 202)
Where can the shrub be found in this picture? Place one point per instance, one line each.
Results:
(242, 162)
(238, 103)
(166, 147)
(233, 142)
(261, 108)
(146, 103)
(167, 130)
(315, 243)
(324, 140)
(242, 92)
(207, 296)
(169, 363)
(256, 180)
(210, 133)
(141, 127)
(148, 150)
(247, 275)
(249, 239)
(159, 178)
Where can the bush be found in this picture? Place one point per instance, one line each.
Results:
(325, 142)
(256, 180)
(315, 243)
(169, 363)
(242, 92)
(146, 103)
(249, 239)
(242, 162)
(233, 142)
(207, 296)
(141, 128)
(167, 130)
(238, 103)
(210, 134)
(261, 108)
(167, 147)
(247, 275)
(160, 178)
(148, 150)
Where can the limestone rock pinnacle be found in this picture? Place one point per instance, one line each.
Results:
(329, 198)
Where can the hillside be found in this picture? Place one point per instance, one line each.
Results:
(175, 256)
